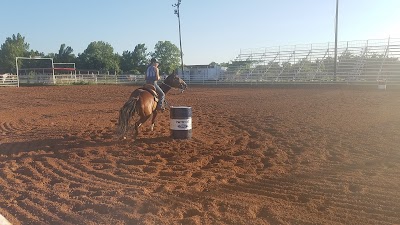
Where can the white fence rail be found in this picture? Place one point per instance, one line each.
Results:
(66, 79)
(9, 80)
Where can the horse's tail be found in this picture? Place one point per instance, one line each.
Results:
(125, 114)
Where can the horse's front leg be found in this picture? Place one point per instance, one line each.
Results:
(153, 120)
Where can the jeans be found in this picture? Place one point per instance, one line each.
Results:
(161, 94)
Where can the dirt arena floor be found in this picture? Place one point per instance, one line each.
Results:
(259, 155)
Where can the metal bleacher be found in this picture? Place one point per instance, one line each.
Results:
(358, 62)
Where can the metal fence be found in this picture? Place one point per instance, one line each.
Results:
(359, 62)
(78, 77)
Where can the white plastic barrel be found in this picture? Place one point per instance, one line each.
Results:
(181, 122)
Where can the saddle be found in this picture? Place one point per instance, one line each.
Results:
(151, 89)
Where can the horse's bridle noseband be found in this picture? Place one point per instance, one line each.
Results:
(170, 86)
(167, 85)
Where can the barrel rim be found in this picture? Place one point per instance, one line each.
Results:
(182, 107)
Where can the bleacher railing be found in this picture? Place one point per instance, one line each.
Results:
(359, 62)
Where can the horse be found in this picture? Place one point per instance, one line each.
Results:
(143, 101)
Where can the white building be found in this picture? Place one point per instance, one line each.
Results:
(193, 73)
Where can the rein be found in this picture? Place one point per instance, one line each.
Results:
(172, 87)
(167, 85)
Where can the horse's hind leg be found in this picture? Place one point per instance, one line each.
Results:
(139, 123)
(153, 120)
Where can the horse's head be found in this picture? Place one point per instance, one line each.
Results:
(174, 81)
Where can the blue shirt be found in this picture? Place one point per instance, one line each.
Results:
(151, 73)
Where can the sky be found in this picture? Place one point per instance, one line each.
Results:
(212, 30)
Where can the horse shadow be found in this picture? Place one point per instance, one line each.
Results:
(54, 145)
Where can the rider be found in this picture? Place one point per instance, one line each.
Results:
(152, 76)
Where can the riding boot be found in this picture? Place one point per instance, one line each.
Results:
(160, 107)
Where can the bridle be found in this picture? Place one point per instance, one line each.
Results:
(167, 85)
(172, 87)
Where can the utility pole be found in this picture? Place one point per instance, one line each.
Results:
(176, 12)
(336, 40)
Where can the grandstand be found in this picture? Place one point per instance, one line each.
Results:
(358, 62)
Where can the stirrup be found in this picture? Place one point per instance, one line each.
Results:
(160, 108)
(166, 103)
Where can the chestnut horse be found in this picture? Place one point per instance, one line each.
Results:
(144, 103)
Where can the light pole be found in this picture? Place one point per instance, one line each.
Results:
(336, 40)
(176, 12)
(16, 67)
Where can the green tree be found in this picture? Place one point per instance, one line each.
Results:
(238, 68)
(213, 64)
(139, 56)
(99, 55)
(224, 64)
(168, 55)
(126, 62)
(35, 63)
(64, 55)
(136, 61)
(14, 46)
